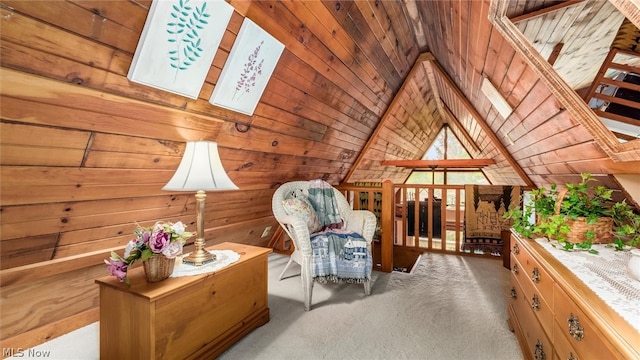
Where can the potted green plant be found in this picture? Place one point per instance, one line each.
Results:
(578, 216)
(627, 226)
(585, 209)
(542, 205)
(544, 201)
(627, 235)
(521, 223)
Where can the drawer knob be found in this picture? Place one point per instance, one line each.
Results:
(575, 329)
(535, 303)
(571, 357)
(538, 353)
(514, 295)
(535, 275)
(515, 269)
(516, 249)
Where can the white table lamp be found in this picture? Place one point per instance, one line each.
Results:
(200, 170)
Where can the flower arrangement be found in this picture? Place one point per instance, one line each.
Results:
(161, 239)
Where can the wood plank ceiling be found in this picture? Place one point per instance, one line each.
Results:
(529, 146)
(84, 152)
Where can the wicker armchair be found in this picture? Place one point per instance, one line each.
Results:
(362, 222)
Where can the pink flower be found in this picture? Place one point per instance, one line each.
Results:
(117, 268)
(159, 241)
(145, 236)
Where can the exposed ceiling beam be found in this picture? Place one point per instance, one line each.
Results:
(546, 10)
(555, 53)
(440, 164)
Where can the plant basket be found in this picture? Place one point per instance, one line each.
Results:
(158, 268)
(602, 228)
(578, 228)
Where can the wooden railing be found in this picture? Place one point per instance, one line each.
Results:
(382, 198)
(436, 224)
(614, 97)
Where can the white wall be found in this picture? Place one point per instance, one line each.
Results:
(631, 183)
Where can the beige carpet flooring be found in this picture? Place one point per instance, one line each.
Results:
(450, 307)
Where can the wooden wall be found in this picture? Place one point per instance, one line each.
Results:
(84, 152)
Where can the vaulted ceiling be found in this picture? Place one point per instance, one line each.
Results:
(540, 141)
(85, 152)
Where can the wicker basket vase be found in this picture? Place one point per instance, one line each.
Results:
(603, 229)
(158, 268)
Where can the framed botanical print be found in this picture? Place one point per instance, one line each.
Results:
(178, 43)
(245, 75)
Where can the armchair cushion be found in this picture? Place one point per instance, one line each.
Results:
(302, 208)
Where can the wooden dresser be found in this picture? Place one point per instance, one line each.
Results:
(185, 317)
(556, 316)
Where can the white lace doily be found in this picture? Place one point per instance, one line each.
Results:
(223, 258)
(606, 275)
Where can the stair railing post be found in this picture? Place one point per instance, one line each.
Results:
(387, 218)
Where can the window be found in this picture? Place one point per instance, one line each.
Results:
(446, 146)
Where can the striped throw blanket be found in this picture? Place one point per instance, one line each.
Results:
(325, 204)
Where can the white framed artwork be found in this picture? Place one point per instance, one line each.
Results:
(178, 43)
(245, 74)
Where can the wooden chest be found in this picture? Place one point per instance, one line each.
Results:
(186, 317)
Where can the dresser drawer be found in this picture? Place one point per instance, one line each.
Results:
(537, 341)
(561, 345)
(579, 331)
(540, 305)
(529, 267)
(605, 333)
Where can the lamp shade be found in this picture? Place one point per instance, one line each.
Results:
(200, 169)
